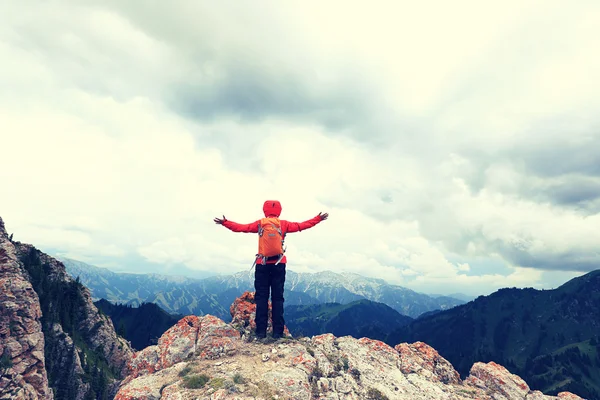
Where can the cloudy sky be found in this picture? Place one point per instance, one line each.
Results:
(456, 145)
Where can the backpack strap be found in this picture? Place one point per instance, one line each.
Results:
(260, 229)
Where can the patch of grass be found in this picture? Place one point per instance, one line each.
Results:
(195, 381)
(264, 390)
(186, 371)
(375, 394)
(238, 379)
(217, 383)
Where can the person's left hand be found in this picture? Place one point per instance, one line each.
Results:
(323, 216)
(219, 220)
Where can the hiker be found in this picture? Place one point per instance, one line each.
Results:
(270, 262)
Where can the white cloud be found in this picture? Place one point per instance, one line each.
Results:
(439, 137)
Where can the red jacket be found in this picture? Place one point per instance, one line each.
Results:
(272, 208)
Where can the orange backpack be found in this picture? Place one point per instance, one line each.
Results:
(270, 240)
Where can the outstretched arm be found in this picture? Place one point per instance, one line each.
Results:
(234, 226)
(300, 226)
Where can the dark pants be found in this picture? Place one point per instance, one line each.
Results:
(269, 278)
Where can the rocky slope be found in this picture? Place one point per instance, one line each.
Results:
(22, 364)
(59, 343)
(205, 358)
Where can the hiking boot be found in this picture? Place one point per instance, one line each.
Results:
(277, 336)
(261, 335)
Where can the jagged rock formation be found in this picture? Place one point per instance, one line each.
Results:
(243, 312)
(22, 364)
(66, 344)
(205, 358)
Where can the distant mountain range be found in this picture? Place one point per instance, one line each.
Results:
(175, 294)
(549, 337)
(214, 295)
(344, 288)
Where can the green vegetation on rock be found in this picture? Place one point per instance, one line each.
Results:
(62, 303)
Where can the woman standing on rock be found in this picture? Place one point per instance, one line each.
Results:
(270, 261)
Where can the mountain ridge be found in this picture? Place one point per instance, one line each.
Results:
(54, 341)
(361, 318)
(524, 329)
(301, 288)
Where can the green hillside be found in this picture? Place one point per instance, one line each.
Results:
(545, 336)
(361, 318)
(142, 325)
(574, 368)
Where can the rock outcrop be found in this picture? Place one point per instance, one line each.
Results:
(58, 343)
(22, 364)
(205, 358)
(243, 313)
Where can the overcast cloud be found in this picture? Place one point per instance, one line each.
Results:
(456, 146)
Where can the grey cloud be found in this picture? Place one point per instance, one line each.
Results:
(518, 253)
(218, 71)
(572, 261)
(253, 93)
(559, 158)
(234, 68)
(575, 191)
(556, 168)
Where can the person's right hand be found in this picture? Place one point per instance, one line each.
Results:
(323, 216)
(219, 220)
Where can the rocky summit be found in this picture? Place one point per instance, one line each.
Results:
(206, 358)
